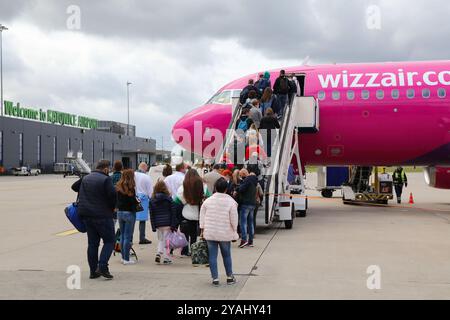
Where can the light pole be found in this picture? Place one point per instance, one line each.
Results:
(2, 28)
(128, 99)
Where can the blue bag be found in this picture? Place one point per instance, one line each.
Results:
(72, 214)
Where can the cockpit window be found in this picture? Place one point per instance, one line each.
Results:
(223, 97)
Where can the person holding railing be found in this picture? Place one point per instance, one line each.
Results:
(268, 124)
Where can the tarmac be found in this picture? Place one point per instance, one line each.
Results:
(325, 256)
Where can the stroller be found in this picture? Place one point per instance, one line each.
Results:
(118, 249)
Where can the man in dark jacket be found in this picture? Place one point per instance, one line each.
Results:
(267, 128)
(96, 203)
(281, 89)
(247, 202)
(245, 92)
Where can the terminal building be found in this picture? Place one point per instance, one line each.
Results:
(40, 139)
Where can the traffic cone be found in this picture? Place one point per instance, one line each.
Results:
(411, 199)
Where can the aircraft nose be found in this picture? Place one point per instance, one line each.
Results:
(189, 131)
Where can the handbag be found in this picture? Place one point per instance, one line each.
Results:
(139, 206)
(71, 212)
(199, 252)
(190, 212)
(176, 240)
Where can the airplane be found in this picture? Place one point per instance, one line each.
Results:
(371, 114)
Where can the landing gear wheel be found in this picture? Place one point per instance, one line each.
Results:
(327, 193)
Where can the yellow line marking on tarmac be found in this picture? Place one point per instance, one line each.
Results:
(67, 233)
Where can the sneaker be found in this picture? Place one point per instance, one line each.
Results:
(231, 280)
(95, 275)
(167, 261)
(158, 258)
(145, 241)
(105, 274)
(250, 244)
(216, 282)
(127, 263)
(243, 244)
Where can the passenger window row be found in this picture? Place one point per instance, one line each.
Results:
(380, 94)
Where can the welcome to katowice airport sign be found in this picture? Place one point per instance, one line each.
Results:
(51, 116)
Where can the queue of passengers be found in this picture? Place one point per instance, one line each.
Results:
(285, 88)
(220, 208)
(262, 110)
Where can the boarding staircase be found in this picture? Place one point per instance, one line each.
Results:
(281, 199)
(77, 161)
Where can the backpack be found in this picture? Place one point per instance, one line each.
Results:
(243, 125)
(263, 84)
(284, 85)
(243, 96)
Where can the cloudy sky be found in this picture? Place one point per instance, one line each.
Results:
(178, 53)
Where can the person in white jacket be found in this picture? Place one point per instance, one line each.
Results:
(144, 191)
(219, 222)
(175, 180)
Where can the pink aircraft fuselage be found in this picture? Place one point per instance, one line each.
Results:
(382, 114)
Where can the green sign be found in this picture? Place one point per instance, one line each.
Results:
(51, 116)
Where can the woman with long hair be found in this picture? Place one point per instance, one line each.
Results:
(191, 195)
(167, 171)
(126, 214)
(269, 100)
(163, 218)
(117, 171)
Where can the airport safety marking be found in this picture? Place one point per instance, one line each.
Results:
(363, 204)
(67, 233)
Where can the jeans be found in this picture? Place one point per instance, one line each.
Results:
(247, 215)
(190, 230)
(282, 100)
(99, 229)
(225, 250)
(141, 231)
(126, 225)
